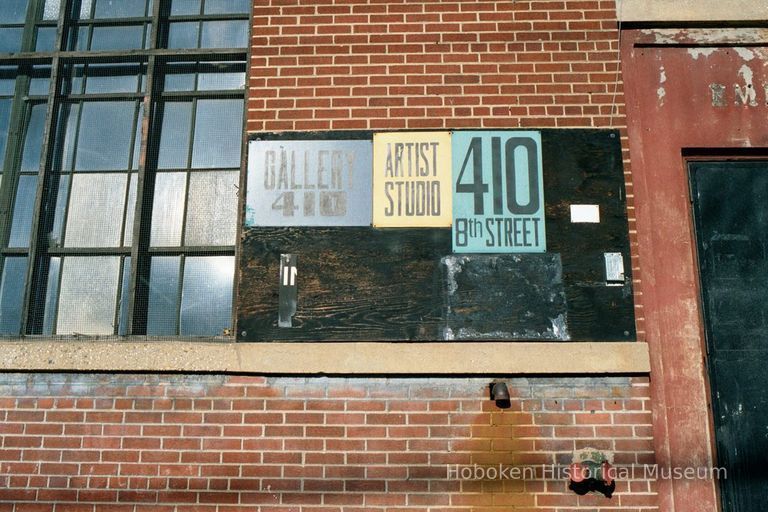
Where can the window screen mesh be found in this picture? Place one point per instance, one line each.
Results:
(122, 219)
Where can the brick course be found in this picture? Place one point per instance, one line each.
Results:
(205, 443)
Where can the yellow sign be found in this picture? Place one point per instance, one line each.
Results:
(412, 179)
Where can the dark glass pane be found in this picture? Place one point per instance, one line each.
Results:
(183, 35)
(33, 139)
(7, 81)
(206, 304)
(174, 137)
(13, 11)
(179, 76)
(51, 295)
(113, 78)
(65, 138)
(10, 40)
(5, 115)
(23, 209)
(218, 134)
(88, 295)
(137, 138)
(185, 7)
(125, 286)
(51, 10)
(40, 81)
(79, 39)
(120, 8)
(62, 198)
(104, 142)
(75, 83)
(46, 39)
(12, 295)
(227, 6)
(163, 308)
(224, 34)
(117, 38)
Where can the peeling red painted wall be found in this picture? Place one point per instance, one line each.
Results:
(688, 92)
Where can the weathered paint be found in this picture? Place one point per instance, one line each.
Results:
(702, 108)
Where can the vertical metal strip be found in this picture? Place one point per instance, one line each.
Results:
(144, 186)
(33, 310)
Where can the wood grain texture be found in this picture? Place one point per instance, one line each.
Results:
(366, 284)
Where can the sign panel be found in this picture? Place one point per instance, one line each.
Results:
(412, 179)
(498, 192)
(309, 183)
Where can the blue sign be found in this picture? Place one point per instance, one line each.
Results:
(309, 183)
(498, 192)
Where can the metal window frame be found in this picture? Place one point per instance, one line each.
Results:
(153, 59)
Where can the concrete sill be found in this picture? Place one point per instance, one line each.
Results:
(468, 358)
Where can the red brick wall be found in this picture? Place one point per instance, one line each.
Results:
(161, 443)
(442, 64)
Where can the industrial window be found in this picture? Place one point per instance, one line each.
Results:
(121, 129)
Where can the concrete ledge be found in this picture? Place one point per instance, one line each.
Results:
(692, 10)
(326, 358)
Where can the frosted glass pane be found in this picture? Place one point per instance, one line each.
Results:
(51, 295)
(58, 218)
(168, 209)
(88, 295)
(163, 309)
(212, 208)
(122, 316)
(33, 139)
(12, 295)
(224, 34)
(95, 215)
(228, 79)
(23, 210)
(85, 9)
(206, 303)
(218, 134)
(51, 9)
(104, 142)
(130, 210)
(174, 137)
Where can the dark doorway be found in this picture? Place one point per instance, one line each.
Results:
(730, 204)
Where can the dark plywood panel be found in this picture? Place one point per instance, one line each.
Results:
(585, 167)
(391, 284)
(353, 283)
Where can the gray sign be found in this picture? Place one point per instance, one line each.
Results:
(309, 183)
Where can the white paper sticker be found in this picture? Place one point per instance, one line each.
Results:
(587, 213)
